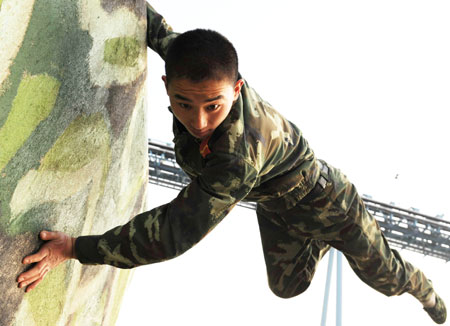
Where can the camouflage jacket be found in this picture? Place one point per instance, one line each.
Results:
(255, 155)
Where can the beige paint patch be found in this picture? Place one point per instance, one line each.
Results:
(14, 19)
(89, 307)
(36, 188)
(93, 18)
(122, 279)
(134, 163)
(83, 299)
(23, 315)
(127, 173)
(35, 99)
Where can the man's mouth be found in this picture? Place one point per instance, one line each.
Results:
(199, 133)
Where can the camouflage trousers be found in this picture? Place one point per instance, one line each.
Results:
(295, 238)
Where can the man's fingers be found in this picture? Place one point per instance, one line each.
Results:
(37, 257)
(29, 280)
(37, 271)
(35, 278)
(34, 284)
(49, 235)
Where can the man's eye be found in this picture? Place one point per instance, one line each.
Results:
(184, 106)
(212, 107)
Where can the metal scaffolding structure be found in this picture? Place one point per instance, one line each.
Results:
(405, 229)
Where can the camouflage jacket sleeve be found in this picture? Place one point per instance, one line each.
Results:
(159, 33)
(169, 230)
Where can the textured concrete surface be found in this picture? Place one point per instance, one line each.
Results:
(72, 147)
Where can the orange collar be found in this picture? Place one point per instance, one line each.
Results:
(204, 148)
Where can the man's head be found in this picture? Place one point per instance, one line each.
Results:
(202, 80)
(200, 55)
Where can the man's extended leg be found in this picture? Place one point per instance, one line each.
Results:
(338, 217)
(290, 261)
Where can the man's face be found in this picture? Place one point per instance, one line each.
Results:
(201, 106)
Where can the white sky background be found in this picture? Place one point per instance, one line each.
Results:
(368, 83)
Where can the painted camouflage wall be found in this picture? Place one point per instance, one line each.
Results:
(72, 147)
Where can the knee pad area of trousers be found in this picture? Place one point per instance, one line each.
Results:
(289, 291)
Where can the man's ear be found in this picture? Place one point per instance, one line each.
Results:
(164, 78)
(237, 88)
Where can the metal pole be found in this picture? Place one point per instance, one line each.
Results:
(327, 288)
(338, 288)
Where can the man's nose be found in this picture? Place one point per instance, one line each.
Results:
(200, 120)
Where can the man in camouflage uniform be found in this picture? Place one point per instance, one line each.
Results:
(244, 151)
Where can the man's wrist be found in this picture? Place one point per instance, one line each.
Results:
(73, 254)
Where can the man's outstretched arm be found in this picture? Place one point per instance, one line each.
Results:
(157, 235)
(169, 230)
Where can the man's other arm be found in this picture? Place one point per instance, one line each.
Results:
(159, 33)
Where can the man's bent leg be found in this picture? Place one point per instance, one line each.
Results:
(290, 261)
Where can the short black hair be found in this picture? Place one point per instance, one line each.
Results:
(202, 54)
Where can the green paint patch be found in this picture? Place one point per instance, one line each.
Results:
(122, 51)
(86, 138)
(34, 220)
(35, 99)
(46, 301)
